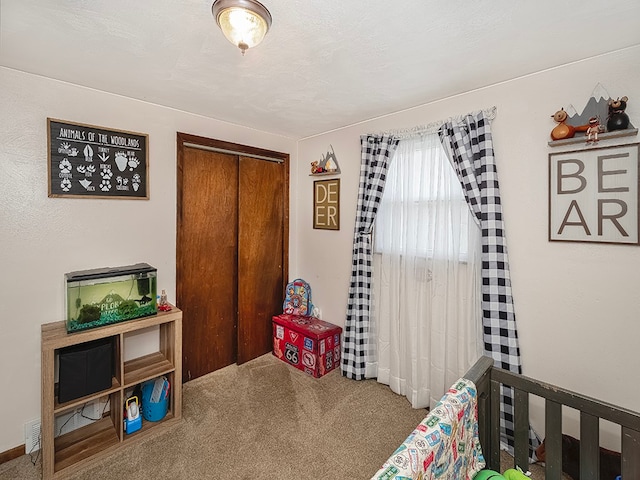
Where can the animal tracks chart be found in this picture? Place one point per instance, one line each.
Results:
(90, 161)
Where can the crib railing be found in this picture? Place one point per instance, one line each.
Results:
(489, 379)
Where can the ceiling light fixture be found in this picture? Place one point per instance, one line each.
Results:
(243, 22)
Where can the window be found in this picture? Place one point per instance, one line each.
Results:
(423, 212)
(425, 276)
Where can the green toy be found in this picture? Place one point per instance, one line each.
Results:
(513, 474)
(488, 474)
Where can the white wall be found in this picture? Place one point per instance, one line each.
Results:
(42, 238)
(577, 305)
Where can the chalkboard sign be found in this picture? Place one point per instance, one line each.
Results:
(90, 161)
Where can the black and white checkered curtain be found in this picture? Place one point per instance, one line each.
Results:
(376, 155)
(470, 145)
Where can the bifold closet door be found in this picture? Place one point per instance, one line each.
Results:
(231, 256)
(260, 254)
(207, 244)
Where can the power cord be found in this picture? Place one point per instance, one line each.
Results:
(37, 446)
(104, 409)
(34, 461)
(65, 423)
(81, 413)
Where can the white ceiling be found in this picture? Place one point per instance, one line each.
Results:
(324, 64)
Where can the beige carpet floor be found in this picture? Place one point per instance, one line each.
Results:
(263, 420)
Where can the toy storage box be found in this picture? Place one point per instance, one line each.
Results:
(308, 343)
(104, 296)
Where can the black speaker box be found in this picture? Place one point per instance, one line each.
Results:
(85, 368)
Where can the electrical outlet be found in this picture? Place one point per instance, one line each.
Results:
(32, 436)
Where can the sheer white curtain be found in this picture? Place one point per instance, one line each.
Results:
(426, 316)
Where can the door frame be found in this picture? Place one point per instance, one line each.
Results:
(232, 149)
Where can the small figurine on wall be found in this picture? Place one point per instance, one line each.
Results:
(327, 165)
(563, 129)
(315, 168)
(593, 129)
(618, 119)
(602, 110)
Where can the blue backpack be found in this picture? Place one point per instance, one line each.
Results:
(297, 300)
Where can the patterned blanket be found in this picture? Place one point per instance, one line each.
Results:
(445, 445)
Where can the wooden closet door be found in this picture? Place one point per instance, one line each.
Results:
(231, 252)
(206, 259)
(261, 217)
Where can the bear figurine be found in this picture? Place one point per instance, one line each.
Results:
(618, 120)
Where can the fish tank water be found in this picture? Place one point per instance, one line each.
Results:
(103, 296)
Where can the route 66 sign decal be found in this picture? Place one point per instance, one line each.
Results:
(291, 353)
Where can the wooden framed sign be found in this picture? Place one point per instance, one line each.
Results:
(89, 161)
(326, 204)
(593, 195)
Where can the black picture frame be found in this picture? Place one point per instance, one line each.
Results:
(91, 161)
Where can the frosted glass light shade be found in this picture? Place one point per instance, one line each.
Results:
(243, 22)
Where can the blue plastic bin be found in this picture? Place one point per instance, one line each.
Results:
(153, 412)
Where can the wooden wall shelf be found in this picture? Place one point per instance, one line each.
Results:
(64, 454)
(629, 132)
(325, 174)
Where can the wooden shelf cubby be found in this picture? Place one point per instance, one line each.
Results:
(65, 454)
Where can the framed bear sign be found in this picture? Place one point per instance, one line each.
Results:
(90, 161)
(594, 195)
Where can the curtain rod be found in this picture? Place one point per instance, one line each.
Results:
(489, 114)
(232, 152)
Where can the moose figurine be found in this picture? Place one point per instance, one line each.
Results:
(563, 129)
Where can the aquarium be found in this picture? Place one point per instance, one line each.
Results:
(103, 296)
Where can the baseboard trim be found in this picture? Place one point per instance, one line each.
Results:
(11, 454)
